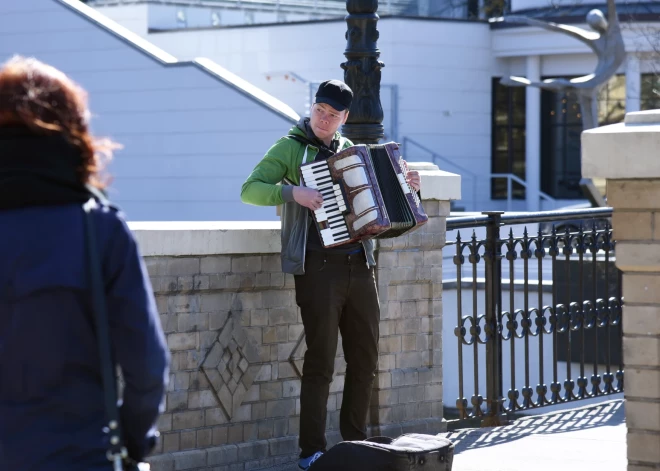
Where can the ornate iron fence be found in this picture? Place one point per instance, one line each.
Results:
(541, 307)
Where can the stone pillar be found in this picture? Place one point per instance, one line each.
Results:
(533, 135)
(626, 155)
(408, 392)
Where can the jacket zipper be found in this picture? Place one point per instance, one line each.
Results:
(304, 161)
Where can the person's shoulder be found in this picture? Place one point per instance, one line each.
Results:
(284, 143)
(284, 148)
(110, 219)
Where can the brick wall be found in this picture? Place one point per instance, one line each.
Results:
(232, 327)
(237, 342)
(408, 396)
(636, 225)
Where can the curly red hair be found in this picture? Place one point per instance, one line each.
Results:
(47, 102)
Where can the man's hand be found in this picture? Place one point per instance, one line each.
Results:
(412, 176)
(307, 197)
(414, 179)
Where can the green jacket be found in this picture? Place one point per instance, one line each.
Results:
(271, 183)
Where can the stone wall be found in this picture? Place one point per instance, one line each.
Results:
(237, 338)
(232, 327)
(408, 396)
(627, 155)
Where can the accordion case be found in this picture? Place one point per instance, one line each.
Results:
(409, 452)
(365, 195)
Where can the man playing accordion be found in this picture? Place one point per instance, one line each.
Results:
(335, 287)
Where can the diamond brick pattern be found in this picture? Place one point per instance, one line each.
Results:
(230, 365)
(297, 357)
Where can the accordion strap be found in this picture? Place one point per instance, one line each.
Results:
(303, 140)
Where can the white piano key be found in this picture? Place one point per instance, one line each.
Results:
(338, 230)
(319, 184)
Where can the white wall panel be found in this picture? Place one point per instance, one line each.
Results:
(189, 138)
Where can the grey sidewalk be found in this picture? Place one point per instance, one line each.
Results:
(588, 437)
(592, 437)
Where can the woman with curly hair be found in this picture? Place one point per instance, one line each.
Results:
(52, 414)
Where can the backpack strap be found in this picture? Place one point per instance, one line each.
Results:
(117, 451)
(101, 198)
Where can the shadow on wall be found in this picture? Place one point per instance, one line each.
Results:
(605, 414)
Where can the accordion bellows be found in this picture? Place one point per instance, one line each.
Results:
(365, 195)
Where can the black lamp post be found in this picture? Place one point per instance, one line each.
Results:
(362, 73)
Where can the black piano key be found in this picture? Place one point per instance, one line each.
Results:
(336, 225)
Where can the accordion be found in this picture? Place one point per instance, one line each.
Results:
(365, 195)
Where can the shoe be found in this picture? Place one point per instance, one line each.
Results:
(305, 463)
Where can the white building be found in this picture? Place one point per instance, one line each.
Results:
(191, 130)
(441, 91)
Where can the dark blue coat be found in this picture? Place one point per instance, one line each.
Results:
(51, 395)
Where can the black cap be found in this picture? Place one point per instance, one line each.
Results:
(335, 93)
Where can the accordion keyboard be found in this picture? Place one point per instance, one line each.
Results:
(332, 211)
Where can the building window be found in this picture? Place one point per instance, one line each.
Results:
(650, 96)
(561, 126)
(508, 139)
(496, 8)
(612, 101)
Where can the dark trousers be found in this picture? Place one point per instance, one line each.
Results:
(336, 294)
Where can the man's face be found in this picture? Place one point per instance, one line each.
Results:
(325, 120)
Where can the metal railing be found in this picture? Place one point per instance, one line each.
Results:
(444, 162)
(510, 178)
(437, 159)
(565, 318)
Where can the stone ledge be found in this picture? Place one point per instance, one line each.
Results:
(174, 238)
(624, 150)
(437, 184)
(200, 238)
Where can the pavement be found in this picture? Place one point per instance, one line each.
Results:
(589, 437)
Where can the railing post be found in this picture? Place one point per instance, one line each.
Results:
(493, 259)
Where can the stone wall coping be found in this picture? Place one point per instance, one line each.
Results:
(186, 238)
(183, 238)
(626, 150)
(437, 184)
